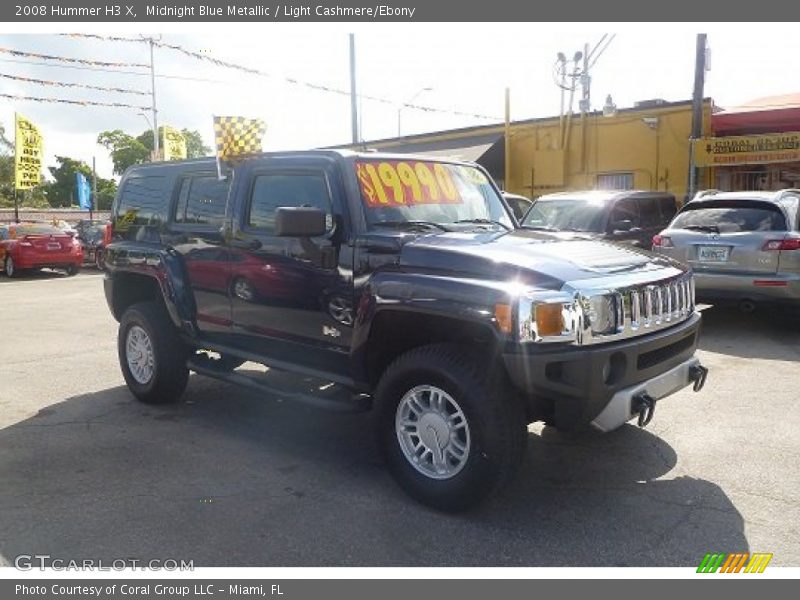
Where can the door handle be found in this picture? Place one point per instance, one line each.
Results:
(253, 244)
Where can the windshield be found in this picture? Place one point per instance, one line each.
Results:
(567, 214)
(436, 193)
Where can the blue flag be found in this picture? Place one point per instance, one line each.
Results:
(84, 191)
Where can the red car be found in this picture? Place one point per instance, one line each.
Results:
(38, 245)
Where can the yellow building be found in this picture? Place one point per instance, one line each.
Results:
(644, 147)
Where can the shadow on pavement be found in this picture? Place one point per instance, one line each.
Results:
(771, 333)
(229, 479)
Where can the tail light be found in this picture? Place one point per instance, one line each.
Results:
(785, 244)
(108, 234)
(662, 241)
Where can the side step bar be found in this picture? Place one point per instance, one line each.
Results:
(341, 400)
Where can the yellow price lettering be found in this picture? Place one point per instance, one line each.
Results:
(376, 184)
(427, 179)
(390, 178)
(445, 182)
(410, 180)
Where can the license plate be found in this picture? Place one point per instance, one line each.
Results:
(713, 253)
(53, 246)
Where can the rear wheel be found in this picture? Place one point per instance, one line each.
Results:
(9, 268)
(452, 432)
(72, 270)
(151, 355)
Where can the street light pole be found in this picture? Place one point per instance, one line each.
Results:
(153, 96)
(405, 104)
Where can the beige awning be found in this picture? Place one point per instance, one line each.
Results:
(467, 153)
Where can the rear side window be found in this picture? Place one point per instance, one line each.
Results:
(201, 200)
(731, 217)
(668, 208)
(649, 213)
(273, 191)
(143, 201)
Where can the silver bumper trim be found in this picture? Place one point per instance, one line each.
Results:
(619, 409)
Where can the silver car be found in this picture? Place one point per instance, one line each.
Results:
(742, 246)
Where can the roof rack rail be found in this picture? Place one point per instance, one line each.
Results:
(704, 193)
(787, 191)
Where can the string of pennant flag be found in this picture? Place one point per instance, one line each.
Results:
(73, 85)
(67, 59)
(258, 72)
(73, 102)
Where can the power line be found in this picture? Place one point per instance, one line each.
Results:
(74, 102)
(82, 61)
(72, 85)
(291, 80)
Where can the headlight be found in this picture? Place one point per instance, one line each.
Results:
(547, 318)
(604, 313)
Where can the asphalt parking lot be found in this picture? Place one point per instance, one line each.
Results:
(228, 478)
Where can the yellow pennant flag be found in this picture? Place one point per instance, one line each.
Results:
(237, 136)
(173, 143)
(29, 154)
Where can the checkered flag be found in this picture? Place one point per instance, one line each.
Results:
(237, 136)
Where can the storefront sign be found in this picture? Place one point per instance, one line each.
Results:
(747, 149)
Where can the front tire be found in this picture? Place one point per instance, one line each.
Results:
(151, 355)
(452, 432)
(98, 260)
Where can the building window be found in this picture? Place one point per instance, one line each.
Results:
(615, 181)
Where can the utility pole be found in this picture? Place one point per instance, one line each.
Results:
(507, 142)
(697, 110)
(153, 95)
(353, 96)
(94, 188)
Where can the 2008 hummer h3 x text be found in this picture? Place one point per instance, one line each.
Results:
(402, 285)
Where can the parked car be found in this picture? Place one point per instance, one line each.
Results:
(630, 217)
(38, 245)
(91, 235)
(742, 246)
(398, 284)
(519, 205)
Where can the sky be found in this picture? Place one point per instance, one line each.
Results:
(465, 67)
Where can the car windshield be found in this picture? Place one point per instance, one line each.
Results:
(438, 195)
(567, 214)
(730, 217)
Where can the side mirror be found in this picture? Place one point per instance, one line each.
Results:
(299, 221)
(623, 225)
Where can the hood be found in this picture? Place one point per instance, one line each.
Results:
(534, 258)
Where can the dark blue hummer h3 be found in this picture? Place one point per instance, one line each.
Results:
(399, 284)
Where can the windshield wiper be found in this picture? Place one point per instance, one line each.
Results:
(709, 228)
(484, 222)
(413, 224)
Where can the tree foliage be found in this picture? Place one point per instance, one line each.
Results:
(61, 192)
(127, 150)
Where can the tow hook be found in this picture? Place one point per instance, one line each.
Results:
(698, 374)
(645, 405)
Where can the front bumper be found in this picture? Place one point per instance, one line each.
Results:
(572, 386)
(627, 404)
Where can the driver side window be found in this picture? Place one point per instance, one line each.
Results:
(271, 191)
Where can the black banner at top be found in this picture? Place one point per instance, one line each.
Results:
(393, 11)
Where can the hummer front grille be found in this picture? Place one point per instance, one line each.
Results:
(637, 309)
